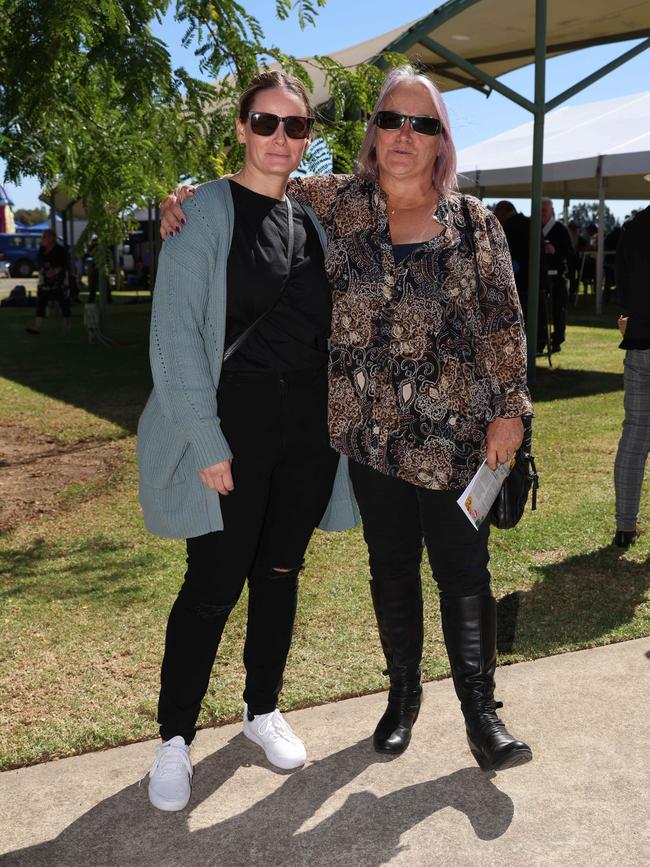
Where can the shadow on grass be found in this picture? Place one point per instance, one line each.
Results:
(94, 568)
(584, 313)
(111, 382)
(124, 829)
(561, 383)
(114, 382)
(576, 601)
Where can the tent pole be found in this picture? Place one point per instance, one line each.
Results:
(597, 75)
(600, 251)
(536, 193)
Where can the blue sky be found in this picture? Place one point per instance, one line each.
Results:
(474, 118)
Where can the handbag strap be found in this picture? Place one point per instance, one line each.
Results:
(236, 344)
(470, 239)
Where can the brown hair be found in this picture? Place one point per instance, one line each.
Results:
(269, 81)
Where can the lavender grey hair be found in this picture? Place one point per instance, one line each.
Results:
(444, 169)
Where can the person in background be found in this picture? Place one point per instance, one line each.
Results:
(558, 250)
(577, 246)
(609, 265)
(633, 282)
(516, 227)
(53, 283)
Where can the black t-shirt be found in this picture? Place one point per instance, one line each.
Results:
(294, 334)
(48, 261)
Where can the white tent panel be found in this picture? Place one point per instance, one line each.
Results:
(612, 133)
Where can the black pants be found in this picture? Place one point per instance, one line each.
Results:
(400, 518)
(283, 470)
(560, 299)
(60, 294)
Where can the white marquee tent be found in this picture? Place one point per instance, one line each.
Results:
(597, 150)
(608, 139)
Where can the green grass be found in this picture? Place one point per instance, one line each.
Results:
(85, 592)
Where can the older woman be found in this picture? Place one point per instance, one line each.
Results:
(427, 377)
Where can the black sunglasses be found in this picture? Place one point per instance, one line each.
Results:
(295, 126)
(423, 124)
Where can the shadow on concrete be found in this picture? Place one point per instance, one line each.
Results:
(572, 602)
(365, 831)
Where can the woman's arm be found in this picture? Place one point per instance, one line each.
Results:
(182, 376)
(317, 191)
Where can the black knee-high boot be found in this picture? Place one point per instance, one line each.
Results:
(469, 626)
(398, 608)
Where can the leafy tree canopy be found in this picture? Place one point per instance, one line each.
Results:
(30, 216)
(90, 103)
(586, 213)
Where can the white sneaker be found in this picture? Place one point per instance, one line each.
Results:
(170, 776)
(273, 733)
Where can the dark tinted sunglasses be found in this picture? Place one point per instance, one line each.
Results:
(295, 126)
(423, 124)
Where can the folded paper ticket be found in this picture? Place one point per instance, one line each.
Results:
(478, 497)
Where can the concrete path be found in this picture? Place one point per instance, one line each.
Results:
(582, 801)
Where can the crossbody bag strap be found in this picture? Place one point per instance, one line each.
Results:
(247, 333)
(470, 239)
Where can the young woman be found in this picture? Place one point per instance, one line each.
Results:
(233, 444)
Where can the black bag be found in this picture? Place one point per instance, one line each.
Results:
(510, 503)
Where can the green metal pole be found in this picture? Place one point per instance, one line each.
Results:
(536, 193)
(597, 75)
(468, 67)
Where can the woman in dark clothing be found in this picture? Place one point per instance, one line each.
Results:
(633, 281)
(248, 483)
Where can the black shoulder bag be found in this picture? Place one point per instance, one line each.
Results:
(509, 506)
(247, 333)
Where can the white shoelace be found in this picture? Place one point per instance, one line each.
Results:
(277, 728)
(169, 759)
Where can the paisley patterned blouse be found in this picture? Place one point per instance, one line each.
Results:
(422, 358)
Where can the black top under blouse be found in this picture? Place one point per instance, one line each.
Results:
(294, 334)
(401, 251)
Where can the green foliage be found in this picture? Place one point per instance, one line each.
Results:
(585, 213)
(90, 104)
(30, 216)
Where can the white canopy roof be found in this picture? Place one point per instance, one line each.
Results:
(612, 135)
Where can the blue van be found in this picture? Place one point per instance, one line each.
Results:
(20, 250)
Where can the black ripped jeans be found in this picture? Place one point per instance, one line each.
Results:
(283, 470)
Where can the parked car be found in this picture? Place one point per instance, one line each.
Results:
(20, 251)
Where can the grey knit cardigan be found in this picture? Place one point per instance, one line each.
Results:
(179, 431)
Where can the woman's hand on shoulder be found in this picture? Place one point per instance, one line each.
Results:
(173, 217)
(504, 436)
(218, 477)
